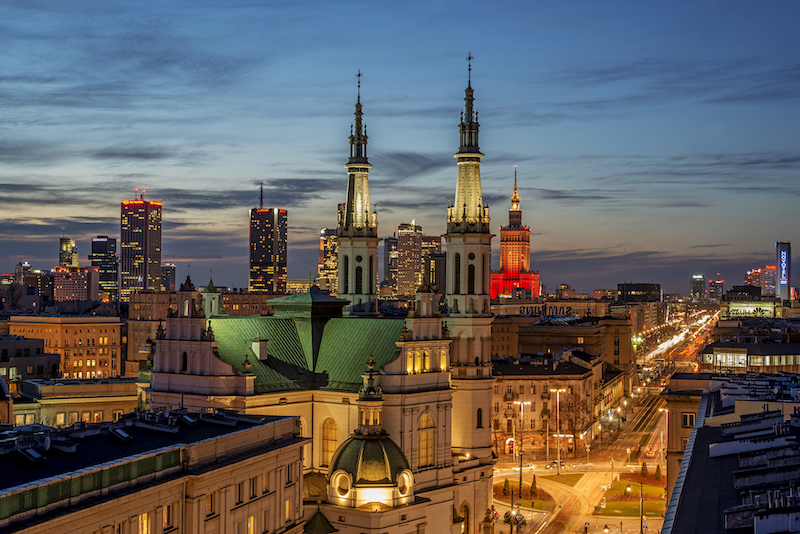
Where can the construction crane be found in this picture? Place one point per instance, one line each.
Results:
(191, 257)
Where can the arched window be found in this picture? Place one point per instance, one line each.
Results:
(425, 362)
(457, 273)
(184, 363)
(329, 440)
(425, 439)
(346, 275)
(359, 281)
(484, 274)
(480, 418)
(464, 513)
(471, 279)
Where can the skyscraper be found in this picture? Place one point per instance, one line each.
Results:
(140, 243)
(390, 263)
(431, 245)
(168, 276)
(68, 253)
(515, 254)
(268, 227)
(358, 228)
(328, 267)
(104, 258)
(783, 257)
(409, 258)
(715, 290)
(697, 288)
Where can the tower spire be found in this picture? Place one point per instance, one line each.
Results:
(469, 119)
(515, 197)
(358, 136)
(261, 197)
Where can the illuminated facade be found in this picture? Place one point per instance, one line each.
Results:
(75, 283)
(68, 253)
(358, 228)
(328, 266)
(783, 259)
(715, 289)
(390, 263)
(515, 255)
(268, 227)
(140, 243)
(409, 258)
(104, 259)
(168, 277)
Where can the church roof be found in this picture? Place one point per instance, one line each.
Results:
(319, 524)
(305, 353)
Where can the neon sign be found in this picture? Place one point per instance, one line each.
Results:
(784, 263)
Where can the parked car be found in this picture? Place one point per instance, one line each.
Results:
(529, 466)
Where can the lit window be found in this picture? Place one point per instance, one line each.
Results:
(144, 523)
(210, 504)
(425, 438)
(329, 440)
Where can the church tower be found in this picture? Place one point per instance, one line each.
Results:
(357, 232)
(468, 255)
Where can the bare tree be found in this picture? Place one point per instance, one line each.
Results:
(13, 295)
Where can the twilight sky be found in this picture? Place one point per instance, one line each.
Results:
(650, 138)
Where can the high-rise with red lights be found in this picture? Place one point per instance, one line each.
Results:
(140, 246)
(515, 255)
(268, 228)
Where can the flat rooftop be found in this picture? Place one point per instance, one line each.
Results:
(103, 448)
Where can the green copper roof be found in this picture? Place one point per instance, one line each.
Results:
(307, 353)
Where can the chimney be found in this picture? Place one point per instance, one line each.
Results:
(260, 348)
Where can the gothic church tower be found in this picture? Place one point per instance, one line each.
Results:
(357, 232)
(468, 276)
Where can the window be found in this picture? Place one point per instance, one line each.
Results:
(239, 492)
(425, 440)
(73, 417)
(580, 341)
(86, 417)
(253, 487)
(166, 517)
(289, 477)
(144, 523)
(471, 279)
(98, 416)
(359, 281)
(497, 390)
(480, 418)
(61, 419)
(457, 273)
(346, 272)
(289, 509)
(684, 443)
(185, 363)
(496, 406)
(533, 390)
(210, 504)
(329, 440)
(687, 419)
(521, 389)
(265, 483)
(251, 525)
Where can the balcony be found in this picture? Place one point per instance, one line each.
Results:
(510, 397)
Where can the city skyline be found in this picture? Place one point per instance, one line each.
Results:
(636, 163)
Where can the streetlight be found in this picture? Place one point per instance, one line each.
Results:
(521, 437)
(605, 528)
(619, 418)
(641, 518)
(558, 425)
(625, 413)
(666, 426)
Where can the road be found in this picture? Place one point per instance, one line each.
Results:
(575, 505)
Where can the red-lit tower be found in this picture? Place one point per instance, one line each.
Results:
(515, 254)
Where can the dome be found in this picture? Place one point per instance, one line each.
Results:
(370, 460)
(370, 470)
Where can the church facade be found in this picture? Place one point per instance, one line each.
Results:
(376, 395)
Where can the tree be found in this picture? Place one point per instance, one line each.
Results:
(644, 470)
(534, 490)
(658, 472)
(506, 487)
(13, 295)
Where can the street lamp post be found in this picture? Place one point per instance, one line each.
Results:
(558, 425)
(663, 446)
(521, 437)
(606, 529)
(625, 410)
(619, 418)
(641, 518)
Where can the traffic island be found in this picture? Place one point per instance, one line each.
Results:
(533, 497)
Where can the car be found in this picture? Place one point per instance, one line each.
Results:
(554, 464)
(515, 468)
(529, 466)
(496, 471)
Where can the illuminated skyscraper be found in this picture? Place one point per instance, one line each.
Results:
(104, 258)
(515, 254)
(358, 228)
(328, 267)
(783, 257)
(697, 288)
(715, 290)
(68, 253)
(409, 258)
(390, 263)
(140, 243)
(431, 246)
(268, 227)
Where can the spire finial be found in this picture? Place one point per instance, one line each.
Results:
(359, 84)
(470, 57)
(515, 178)
(261, 198)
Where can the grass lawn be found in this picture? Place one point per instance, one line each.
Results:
(542, 501)
(650, 493)
(570, 479)
(631, 509)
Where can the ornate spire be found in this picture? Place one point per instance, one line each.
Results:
(469, 119)
(358, 138)
(514, 212)
(261, 198)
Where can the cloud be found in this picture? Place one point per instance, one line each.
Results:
(398, 166)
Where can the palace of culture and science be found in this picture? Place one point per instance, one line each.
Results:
(388, 453)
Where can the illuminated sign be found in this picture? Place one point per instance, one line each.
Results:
(784, 263)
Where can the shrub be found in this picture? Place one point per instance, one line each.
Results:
(534, 491)
(506, 487)
(645, 473)
(658, 472)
